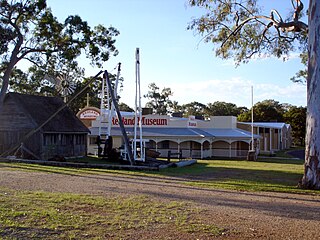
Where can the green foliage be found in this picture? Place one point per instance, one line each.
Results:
(211, 109)
(242, 30)
(29, 31)
(224, 109)
(265, 111)
(301, 75)
(159, 101)
(194, 109)
(297, 117)
(124, 107)
(176, 108)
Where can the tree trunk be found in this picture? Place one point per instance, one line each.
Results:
(5, 83)
(311, 178)
(4, 87)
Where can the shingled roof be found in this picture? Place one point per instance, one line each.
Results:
(41, 108)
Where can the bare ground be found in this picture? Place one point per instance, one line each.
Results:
(244, 215)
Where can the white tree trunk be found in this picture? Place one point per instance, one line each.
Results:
(311, 178)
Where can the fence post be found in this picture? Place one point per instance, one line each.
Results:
(169, 155)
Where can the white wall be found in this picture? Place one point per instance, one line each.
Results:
(224, 122)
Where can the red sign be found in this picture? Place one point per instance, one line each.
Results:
(89, 114)
(144, 121)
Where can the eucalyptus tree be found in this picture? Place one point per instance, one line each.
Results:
(264, 111)
(224, 109)
(241, 30)
(159, 101)
(30, 32)
(195, 109)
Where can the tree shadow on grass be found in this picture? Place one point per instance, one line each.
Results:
(28, 233)
(248, 176)
(282, 160)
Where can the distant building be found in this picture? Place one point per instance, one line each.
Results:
(64, 135)
(275, 136)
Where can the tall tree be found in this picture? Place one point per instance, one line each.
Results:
(296, 117)
(159, 101)
(194, 109)
(240, 30)
(224, 109)
(30, 31)
(265, 111)
(311, 178)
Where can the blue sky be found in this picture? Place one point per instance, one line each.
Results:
(171, 56)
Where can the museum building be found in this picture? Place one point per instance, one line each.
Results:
(194, 138)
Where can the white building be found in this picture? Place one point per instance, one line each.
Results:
(274, 136)
(217, 137)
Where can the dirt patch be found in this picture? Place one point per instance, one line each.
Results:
(243, 215)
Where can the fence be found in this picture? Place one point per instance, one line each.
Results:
(195, 153)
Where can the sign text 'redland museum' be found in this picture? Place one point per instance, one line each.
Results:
(145, 121)
(89, 114)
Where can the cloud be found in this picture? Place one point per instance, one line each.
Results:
(293, 93)
(264, 57)
(238, 91)
(235, 90)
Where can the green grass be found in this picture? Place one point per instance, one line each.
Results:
(43, 215)
(268, 174)
(276, 175)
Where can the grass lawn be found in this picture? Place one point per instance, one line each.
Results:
(44, 215)
(280, 175)
(267, 174)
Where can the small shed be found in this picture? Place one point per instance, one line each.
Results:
(64, 135)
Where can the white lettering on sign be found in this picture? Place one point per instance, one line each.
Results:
(89, 114)
(145, 121)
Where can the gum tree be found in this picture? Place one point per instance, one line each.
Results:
(29, 31)
(159, 101)
(241, 30)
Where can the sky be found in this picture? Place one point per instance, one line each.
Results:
(173, 57)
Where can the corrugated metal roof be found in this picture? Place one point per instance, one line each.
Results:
(181, 132)
(277, 125)
(150, 132)
(230, 133)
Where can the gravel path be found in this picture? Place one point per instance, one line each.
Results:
(245, 215)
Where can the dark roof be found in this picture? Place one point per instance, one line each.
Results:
(41, 108)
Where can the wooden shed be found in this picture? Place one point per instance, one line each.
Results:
(64, 135)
